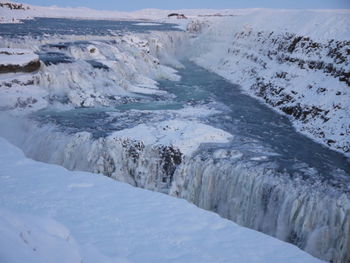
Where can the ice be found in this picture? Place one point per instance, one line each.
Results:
(288, 65)
(147, 24)
(128, 70)
(296, 66)
(254, 193)
(114, 222)
(185, 135)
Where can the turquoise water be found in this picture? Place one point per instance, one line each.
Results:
(257, 129)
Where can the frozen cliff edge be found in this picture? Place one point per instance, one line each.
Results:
(82, 71)
(290, 65)
(18, 60)
(308, 211)
(298, 65)
(103, 214)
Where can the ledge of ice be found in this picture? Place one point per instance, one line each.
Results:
(185, 135)
(114, 222)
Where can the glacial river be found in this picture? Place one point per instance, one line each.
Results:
(260, 133)
(262, 139)
(258, 130)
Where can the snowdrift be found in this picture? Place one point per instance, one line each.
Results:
(111, 222)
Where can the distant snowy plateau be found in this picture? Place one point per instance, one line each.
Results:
(245, 113)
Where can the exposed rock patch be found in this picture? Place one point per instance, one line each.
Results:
(304, 78)
(14, 6)
(18, 60)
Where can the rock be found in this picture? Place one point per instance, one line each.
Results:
(13, 6)
(18, 60)
(178, 16)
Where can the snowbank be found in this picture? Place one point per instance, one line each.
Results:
(34, 239)
(111, 221)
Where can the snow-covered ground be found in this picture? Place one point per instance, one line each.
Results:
(299, 66)
(24, 11)
(35, 239)
(114, 222)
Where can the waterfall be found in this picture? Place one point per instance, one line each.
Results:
(308, 213)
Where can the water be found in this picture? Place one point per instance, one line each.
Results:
(260, 189)
(256, 125)
(258, 130)
(261, 134)
(59, 26)
(52, 58)
(278, 182)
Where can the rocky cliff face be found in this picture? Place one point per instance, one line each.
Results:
(18, 60)
(307, 79)
(13, 6)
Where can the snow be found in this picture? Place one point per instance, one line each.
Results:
(252, 50)
(28, 238)
(335, 23)
(316, 24)
(235, 45)
(185, 135)
(68, 216)
(130, 69)
(18, 57)
(147, 24)
(30, 11)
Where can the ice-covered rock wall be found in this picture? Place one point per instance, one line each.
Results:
(313, 216)
(298, 65)
(130, 161)
(297, 73)
(83, 71)
(146, 166)
(18, 60)
(148, 161)
(307, 211)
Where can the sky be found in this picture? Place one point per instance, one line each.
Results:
(129, 5)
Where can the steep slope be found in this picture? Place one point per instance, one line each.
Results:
(115, 222)
(298, 65)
